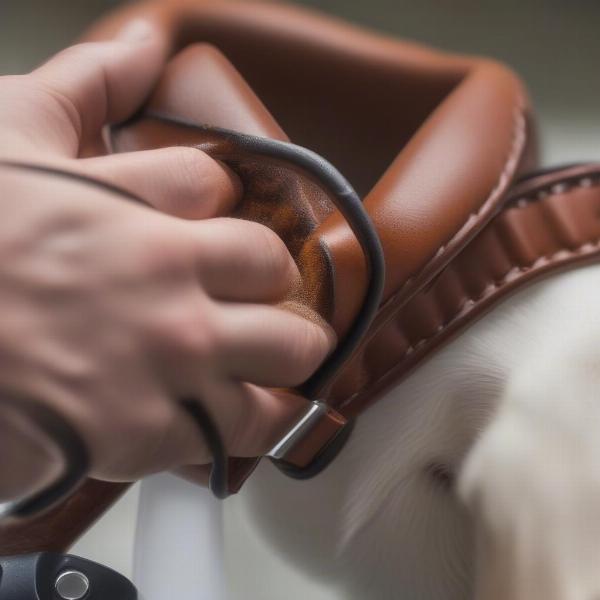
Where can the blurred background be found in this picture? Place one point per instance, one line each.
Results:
(553, 44)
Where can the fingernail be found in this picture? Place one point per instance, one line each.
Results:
(136, 31)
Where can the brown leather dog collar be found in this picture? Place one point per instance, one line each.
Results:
(452, 137)
(470, 96)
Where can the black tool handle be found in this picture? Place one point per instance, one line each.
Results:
(50, 576)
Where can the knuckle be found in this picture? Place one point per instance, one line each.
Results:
(62, 105)
(73, 53)
(93, 56)
(82, 50)
(66, 108)
(39, 100)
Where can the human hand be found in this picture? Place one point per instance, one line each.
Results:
(112, 310)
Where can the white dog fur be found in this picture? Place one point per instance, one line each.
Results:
(477, 477)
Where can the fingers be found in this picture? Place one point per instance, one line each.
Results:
(261, 418)
(183, 182)
(250, 421)
(88, 85)
(239, 260)
(270, 346)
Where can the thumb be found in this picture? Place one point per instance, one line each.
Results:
(89, 85)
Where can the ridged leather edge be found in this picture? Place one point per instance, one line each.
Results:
(547, 224)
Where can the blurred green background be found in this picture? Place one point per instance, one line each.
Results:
(553, 44)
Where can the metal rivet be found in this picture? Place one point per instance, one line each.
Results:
(72, 585)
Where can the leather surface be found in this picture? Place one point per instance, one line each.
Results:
(384, 112)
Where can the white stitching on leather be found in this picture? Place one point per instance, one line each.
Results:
(584, 248)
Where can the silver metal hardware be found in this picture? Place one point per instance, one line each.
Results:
(72, 585)
(312, 416)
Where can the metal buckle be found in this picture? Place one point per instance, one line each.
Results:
(313, 415)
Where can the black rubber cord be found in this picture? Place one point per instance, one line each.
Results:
(218, 482)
